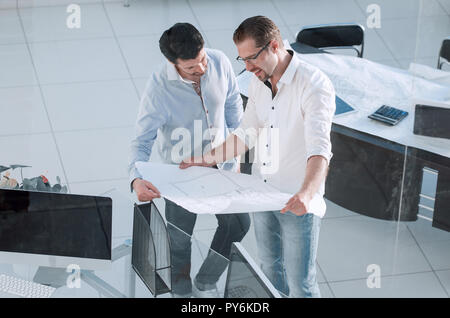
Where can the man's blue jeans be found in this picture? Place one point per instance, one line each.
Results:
(287, 248)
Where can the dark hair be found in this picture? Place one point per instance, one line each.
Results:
(181, 41)
(259, 28)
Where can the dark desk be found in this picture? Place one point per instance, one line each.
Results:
(383, 179)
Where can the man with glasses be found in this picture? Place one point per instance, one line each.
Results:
(189, 104)
(297, 100)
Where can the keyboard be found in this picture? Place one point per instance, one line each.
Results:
(24, 288)
(389, 115)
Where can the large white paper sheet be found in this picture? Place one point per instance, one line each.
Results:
(204, 190)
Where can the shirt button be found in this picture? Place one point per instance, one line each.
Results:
(210, 126)
(207, 112)
(267, 146)
(273, 107)
(271, 126)
(264, 163)
(265, 180)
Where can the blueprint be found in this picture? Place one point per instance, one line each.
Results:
(204, 190)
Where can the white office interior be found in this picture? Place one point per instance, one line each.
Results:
(70, 87)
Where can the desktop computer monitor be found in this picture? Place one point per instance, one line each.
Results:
(245, 279)
(55, 229)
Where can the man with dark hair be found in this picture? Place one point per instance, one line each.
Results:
(296, 100)
(188, 106)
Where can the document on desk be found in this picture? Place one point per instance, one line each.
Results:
(204, 190)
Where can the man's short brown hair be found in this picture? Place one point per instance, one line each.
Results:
(259, 28)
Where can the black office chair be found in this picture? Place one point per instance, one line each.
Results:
(338, 36)
(444, 54)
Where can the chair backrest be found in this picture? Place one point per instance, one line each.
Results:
(444, 53)
(333, 36)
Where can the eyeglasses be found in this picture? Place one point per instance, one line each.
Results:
(252, 59)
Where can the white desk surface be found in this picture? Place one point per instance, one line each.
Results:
(367, 85)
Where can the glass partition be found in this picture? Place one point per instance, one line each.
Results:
(72, 76)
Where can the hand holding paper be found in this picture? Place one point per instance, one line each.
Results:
(298, 204)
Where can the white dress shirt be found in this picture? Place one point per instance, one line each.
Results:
(289, 128)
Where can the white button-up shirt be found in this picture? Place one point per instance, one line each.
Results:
(290, 127)
(182, 123)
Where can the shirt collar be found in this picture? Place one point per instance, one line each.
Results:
(173, 75)
(290, 71)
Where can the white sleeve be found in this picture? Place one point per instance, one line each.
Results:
(318, 107)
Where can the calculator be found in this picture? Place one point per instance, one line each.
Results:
(389, 115)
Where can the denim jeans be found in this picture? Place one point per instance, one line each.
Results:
(287, 248)
(231, 228)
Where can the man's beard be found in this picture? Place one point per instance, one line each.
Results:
(266, 76)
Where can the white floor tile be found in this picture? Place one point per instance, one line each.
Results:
(320, 276)
(389, 62)
(287, 34)
(325, 291)
(10, 28)
(405, 8)
(206, 222)
(437, 254)
(446, 5)
(47, 3)
(79, 60)
(91, 105)
(120, 275)
(431, 61)
(122, 200)
(148, 17)
(408, 38)
(121, 187)
(140, 84)
(348, 245)
(374, 47)
(142, 54)
(8, 4)
(204, 237)
(422, 285)
(310, 12)
(22, 111)
(94, 155)
(336, 211)
(424, 232)
(17, 68)
(226, 15)
(51, 23)
(444, 278)
(38, 151)
(223, 40)
(432, 31)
